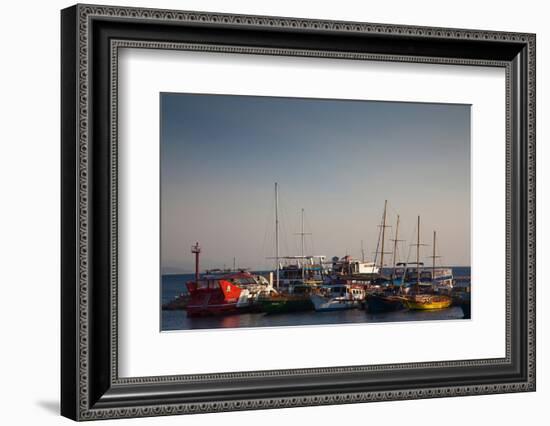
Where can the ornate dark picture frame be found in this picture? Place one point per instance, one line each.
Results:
(90, 385)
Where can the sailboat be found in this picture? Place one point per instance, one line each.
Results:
(297, 279)
(424, 299)
(386, 300)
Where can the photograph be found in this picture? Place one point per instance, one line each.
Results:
(264, 209)
(282, 211)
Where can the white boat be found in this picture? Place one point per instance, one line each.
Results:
(337, 297)
(352, 267)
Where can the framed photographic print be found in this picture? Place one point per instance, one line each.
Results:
(263, 212)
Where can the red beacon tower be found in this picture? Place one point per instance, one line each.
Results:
(196, 250)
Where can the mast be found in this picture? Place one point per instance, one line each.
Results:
(383, 236)
(433, 260)
(418, 252)
(302, 252)
(395, 244)
(434, 256)
(277, 235)
(362, 252)
(302, 235)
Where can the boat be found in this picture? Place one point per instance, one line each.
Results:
(347, 267)
(387, 295)
(423, 302)
(222, 294)
(461, 297)
(421, 295)
(177, 304)
(236, 292)
(297, 301)
(466, 308)
(335, 297)
(297, 277)
(300, 271)
(381, 302)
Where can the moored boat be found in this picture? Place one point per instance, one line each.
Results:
(212, 297)
(380, 302)
(232, 293)
(422, 295)
(221, 294)
(178, 303)
(387, 298)
(461, 297)
(423, 302)
(337, 297)
(466, 308)
(280, 303)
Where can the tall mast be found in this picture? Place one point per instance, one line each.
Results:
(434, 256)
(418, 251)
(383, 236)
(395, 244)
(277, 235)
(362, 252)
(302, 235)
(302, 252)
(433, 259)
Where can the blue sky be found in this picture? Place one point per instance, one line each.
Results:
(337, 159)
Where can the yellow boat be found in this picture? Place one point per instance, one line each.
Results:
(426, 302)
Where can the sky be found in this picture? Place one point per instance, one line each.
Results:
(339, 160)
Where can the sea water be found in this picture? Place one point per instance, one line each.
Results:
(174, 285)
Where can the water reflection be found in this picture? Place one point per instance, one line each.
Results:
(177, 320)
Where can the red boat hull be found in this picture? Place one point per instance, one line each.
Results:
(212, 297)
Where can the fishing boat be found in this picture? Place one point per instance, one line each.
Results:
(335, 297)
(227, 294)
(222, 294)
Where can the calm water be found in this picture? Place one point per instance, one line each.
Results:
(174, 285)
